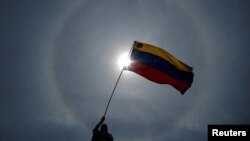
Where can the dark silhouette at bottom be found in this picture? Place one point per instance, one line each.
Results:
(102, 134)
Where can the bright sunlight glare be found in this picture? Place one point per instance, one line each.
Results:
(123, 60)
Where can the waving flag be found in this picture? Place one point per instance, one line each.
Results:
(160, 66)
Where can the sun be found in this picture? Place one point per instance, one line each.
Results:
(123, 60)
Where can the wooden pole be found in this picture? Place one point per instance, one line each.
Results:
(113, 91)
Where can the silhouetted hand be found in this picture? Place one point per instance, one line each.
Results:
(103, 118)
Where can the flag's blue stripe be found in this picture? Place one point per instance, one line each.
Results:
(162, 65)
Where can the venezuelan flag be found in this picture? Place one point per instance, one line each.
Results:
(160, 66)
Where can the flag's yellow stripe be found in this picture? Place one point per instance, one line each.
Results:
(163, 54)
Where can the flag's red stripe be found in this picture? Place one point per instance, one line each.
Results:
(157, 76)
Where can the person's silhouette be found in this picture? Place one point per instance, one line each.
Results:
(102, 134)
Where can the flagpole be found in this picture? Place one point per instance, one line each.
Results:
(113, 91)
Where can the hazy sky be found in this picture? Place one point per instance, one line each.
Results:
(58, 66)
